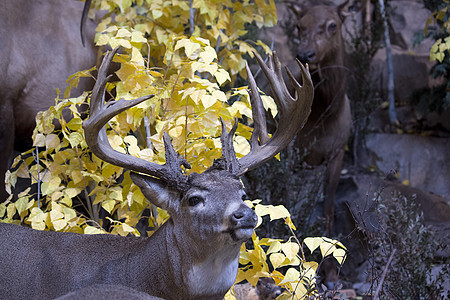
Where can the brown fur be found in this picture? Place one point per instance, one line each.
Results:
(40, 48)
(328, 128)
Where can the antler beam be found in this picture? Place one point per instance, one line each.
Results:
(293, 113)
(97, 140)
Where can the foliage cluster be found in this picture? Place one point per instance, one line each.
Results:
(409, 276)
(188, 54)
(285, 261)
(437, 98)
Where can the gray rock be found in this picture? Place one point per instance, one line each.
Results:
(423, 161)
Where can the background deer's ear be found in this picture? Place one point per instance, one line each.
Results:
(344, 10)
(157, 191)
(297, 9)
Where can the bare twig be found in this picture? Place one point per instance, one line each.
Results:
(383, 275)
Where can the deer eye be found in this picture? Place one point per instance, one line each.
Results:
(332, 27)
(244, 197)
(194, 200)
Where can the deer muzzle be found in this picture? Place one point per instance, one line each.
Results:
(242, 223)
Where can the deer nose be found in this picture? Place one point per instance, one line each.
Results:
(306, 57)
(245, 217)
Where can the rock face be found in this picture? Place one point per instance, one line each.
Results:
(423, 161)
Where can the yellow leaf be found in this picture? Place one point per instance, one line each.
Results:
(39, 140)
(146, 154)
(75, 139)
(290, 249)
(309, 269)
(243, 109)
(21, 204)
(156, 13)
(59, 225)
(327, 248)
(277, 259)
(219, 95)
(208, 101)
(274, 247)
(108, 205)
(242, 147)
(72, 192)
(76, 176)
(136, 56)
(291, 275)
(56, 215)
(49, 187)
(222, 76)
(176, 131)
(92, 230)
(74, 124)
(340, 255)
(208, 55)
(279, 212)
(312, 243)
(51, 141)
(262, 210)
(103, 40)
(289, 223)
(138, 37)
(123, 33)
(269, 103)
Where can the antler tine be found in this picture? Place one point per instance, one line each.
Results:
(293, 112)
(97, 139)
(228, 154)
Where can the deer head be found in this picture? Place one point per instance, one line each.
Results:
(319, 33)
(195, 254)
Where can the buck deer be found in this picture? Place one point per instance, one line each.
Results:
(107, 292)
(327, 130)
(40, 49)
(195, 254)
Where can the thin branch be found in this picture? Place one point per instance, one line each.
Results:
(383, 275)
(191, 18)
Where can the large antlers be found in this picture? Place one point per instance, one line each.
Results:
(293, 115)
(97, 140)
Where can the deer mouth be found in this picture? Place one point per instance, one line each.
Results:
(241, 234)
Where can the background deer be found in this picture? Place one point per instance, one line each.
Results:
(327, 130)
(40, 48)
(195, 254)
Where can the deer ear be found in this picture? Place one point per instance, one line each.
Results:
(344, 10)
(297, 9)
(157, 191)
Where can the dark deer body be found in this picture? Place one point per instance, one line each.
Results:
(40, 49)
(328, 128)
(195, 254)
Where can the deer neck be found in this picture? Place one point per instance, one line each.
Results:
(176, 269)
(330, 83)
